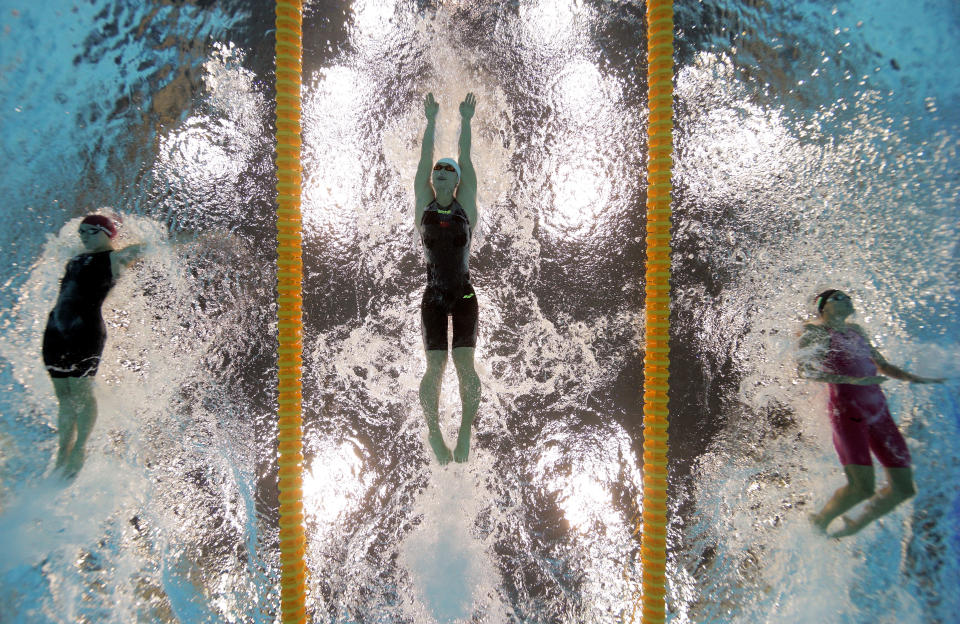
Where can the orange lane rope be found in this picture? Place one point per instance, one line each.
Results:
(289, 53)
(656, 361)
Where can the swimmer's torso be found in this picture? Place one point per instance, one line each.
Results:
(85, 284)
(445, 233)
(849, 354)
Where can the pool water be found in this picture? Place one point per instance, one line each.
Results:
(816, 147)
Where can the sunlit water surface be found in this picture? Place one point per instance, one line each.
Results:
(811, 153)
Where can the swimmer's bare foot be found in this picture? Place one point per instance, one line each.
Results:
(462, 452)
(73, 464)
(439, 447)
(817, 523)
(849, 528)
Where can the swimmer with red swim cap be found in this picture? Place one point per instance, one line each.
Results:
(840, 354)
(75, 334)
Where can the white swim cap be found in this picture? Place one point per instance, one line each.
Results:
(450, 161)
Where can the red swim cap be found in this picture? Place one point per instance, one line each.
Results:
(105, 223)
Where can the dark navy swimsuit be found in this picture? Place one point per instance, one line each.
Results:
(75, 334)
(445, 233)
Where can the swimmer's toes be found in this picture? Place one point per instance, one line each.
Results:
(462, 453)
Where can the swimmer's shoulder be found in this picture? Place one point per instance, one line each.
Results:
(814, 329)
(857, 329)
(812, 333)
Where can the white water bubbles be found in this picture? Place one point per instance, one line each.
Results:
(452, 572)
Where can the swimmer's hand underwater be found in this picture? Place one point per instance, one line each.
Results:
(468, 106)
(430, 107)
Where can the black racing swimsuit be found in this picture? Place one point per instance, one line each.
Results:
(75, 334)
(445, 233)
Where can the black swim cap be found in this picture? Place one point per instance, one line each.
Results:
(822, 299)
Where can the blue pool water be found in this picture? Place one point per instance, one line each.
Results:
(816, 146)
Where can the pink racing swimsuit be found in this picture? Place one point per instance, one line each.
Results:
(859, 415)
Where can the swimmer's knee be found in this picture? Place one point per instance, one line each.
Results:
(905, 491)
(466, 371)
(463, 358)
(436, 356)
(436, 361)
(79, 385)
(61, 387)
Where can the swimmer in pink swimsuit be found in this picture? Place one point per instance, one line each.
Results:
(846, 360)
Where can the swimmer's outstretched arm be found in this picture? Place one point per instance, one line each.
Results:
(806, 371)
(898, 373)
(125, 256)
(423, 192)
(128, 255)
(467, 190)
(183, 238)
(889, 369)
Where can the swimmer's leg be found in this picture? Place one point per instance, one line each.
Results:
(430, 401)
(899, 488)
(860, 484)
(469, 398)
(66, 419)
(82, 391)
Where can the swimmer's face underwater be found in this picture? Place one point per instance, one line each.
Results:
(94, 237)
(838, 304)
(445, 177)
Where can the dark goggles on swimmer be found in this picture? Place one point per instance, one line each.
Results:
(89, 228)
(444, 167)
(830, 295)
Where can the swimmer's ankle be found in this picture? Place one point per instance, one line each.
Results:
(440, 449)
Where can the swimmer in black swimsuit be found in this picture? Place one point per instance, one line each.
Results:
(75, 334)
(446, 213)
